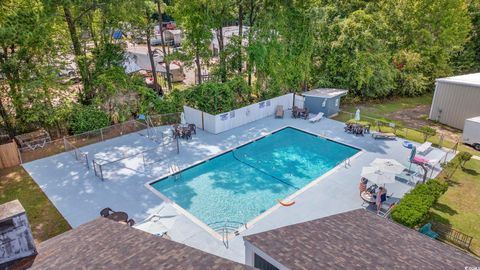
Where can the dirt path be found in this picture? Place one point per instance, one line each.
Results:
(418, 116)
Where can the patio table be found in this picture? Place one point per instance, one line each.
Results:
(367, 197)
(118, 216)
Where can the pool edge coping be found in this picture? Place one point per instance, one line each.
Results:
(252, 222)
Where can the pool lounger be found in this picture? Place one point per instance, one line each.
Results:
(380, 135)
(316, 118)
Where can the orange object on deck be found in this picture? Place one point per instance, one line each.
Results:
(286, 203)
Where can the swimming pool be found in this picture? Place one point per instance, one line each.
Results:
(244, 182)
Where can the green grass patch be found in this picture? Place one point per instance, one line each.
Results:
(384, 106)
(459, 207)
(44, 218)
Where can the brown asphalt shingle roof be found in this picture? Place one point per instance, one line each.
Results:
(105, 244)
(357, 240)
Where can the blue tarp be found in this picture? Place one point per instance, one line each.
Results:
(117, 34)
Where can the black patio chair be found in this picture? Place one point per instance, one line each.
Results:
(106, 212)
(187, 134)
(131, 222)
(192, 128)
(305, 113)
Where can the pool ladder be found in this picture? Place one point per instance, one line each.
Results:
(346, 162)
(175, 171)
(225, 228)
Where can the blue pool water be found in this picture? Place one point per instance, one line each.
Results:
(243, 183)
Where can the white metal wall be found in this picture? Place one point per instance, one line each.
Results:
(453, 103)
(226, 121)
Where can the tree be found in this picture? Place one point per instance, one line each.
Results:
(351, 53)
(434, 30)
(194, 19)
(166, 59)
(463, 158)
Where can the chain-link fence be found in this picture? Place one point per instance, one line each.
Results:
(79, 140)
(140, 162)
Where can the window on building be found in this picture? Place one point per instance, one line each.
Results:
(336, 102)
(263, 264)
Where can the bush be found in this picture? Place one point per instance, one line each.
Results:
(413, 208)
(86, 118)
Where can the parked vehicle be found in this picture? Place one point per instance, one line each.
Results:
(471, 132)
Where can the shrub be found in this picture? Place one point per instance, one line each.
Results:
(86, 118)
(413, 208)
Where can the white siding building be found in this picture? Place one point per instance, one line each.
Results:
(456, 99)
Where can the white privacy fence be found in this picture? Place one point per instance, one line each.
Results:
(228, 120)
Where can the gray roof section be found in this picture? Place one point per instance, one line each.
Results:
(357, 240)
(11, 209)
(106, 244)
(325, 92)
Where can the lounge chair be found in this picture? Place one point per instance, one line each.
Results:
(424, 161)
(316, 118)
(427, 230)
(279, 111)
(424, 147)
(381, 135)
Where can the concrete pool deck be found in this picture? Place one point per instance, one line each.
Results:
(79, 195)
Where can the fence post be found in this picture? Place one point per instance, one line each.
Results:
(19, 153)
(101, 134)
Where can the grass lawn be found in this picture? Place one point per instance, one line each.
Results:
(380, 108)
(459, 207)
(44, 218)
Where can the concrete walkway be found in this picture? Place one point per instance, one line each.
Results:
(79, 195)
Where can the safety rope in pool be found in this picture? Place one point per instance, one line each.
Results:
(264, 172)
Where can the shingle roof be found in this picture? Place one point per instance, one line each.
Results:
(105, 244)
(357, 240)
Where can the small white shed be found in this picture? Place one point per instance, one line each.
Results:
(456, 99)
(173, 37)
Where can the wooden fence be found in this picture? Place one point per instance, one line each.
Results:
(9, 155)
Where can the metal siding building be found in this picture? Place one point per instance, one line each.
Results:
(456, 99)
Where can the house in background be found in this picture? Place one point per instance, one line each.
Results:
(456, 99)
(228, 32)
(173, 37)
(357, 239)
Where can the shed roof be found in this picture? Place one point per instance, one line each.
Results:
(325, 92)
(106, 244)
(467, 79)
(357, 239)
